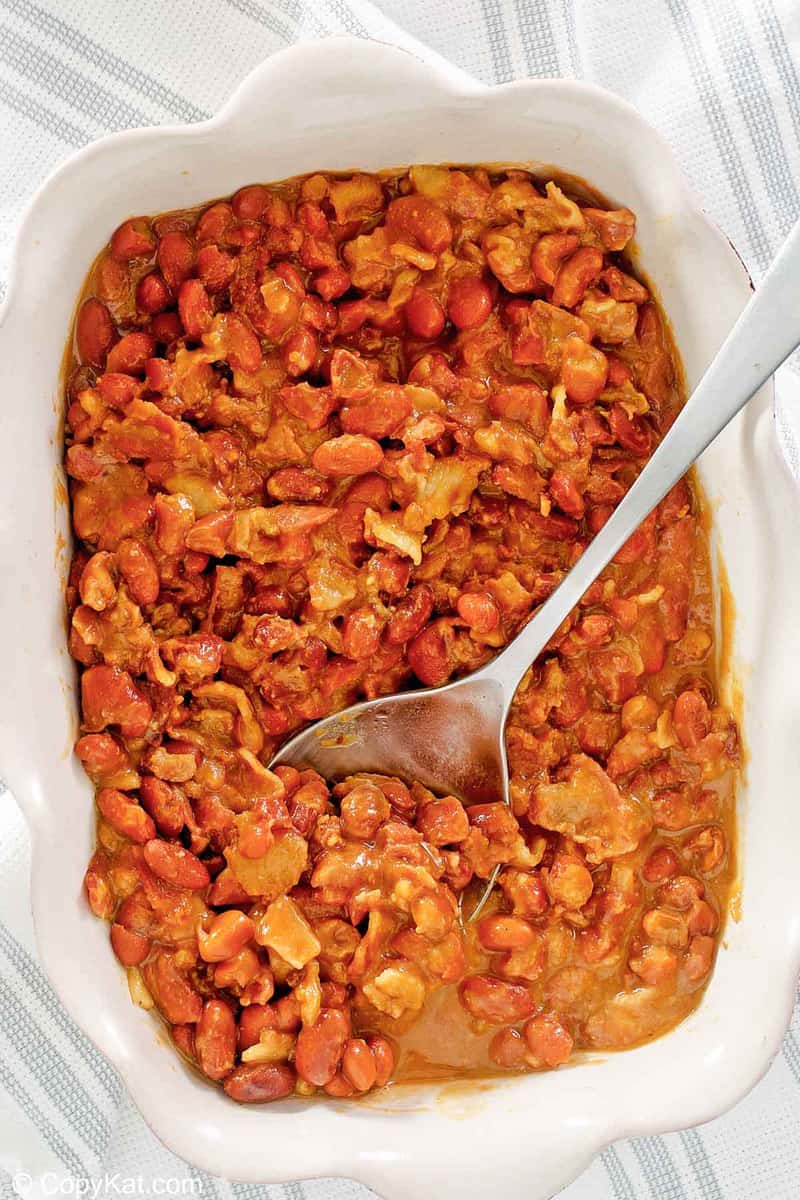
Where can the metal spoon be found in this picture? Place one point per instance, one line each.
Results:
(452, 738)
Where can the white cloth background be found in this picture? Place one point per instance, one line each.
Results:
(721, 79)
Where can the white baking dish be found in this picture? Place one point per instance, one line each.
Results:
(339, 104)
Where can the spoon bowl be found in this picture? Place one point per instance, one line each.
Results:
(450, 738)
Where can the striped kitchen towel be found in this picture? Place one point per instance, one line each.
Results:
(721, 79)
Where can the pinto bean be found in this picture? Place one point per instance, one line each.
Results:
(110, 697)
(260, 1083)
(175, 865)
(215, 1039)
(383, 1055)
(662, 864)
(424, 315)
(174, 995)
(152, 294)
(547, 1040)
(505, 932)
(443, 821)
(575, 275)
(133, 239)
(416, 219)
(131, 353)
(94, 332)
(138, 568)
(410, 616)
(508, 1049)
(226, 935)
(358, 1065)
(349, 454)
(469, 302)
(495, 1000)
(320, 1047)
(479, 610)
(131, 948)
(125, 815)
(364, 810)
(194, 307)
(175, 258)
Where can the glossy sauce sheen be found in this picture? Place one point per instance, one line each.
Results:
(337, 437)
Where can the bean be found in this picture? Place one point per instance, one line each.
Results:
(174, 995)
(101, 756)
(479, 611)
(94, 332)
(340, 1087)
(183, 1037)
(569, 882)
(242, 347)
(416, 219)
(358, 1065)
(175, 257)
(97, 887)
(363, 811)
(699, 958)
(215, 268)
(110, 697)
(428, 656)
(299, 352)
(410, 615)
(215, 1039)
(166, 804)
(662, 864)
(575, 274)
(494, 1000)
(424, 314)
(133, 239)
(152, 294)
(361, 633)
(194, 307)
(443, 822)
(125, 815)
(260, 1083)
(547, 1040)
(469, 302)
(250, 202)
(504, 932)
(350, 454)
(508, 1049)
(130, 354)
(631, 432)
(175, 865)
(320, 1047)
(166, 327)
(691, 718)
(252, 1020)
(130, 948)
(138, 568)
(383, 1055)
(227, 934)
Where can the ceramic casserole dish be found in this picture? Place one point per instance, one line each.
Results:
(356, 104)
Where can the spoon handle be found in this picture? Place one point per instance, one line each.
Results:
(764, 335)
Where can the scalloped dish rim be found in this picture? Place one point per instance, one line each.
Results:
(371, 90)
